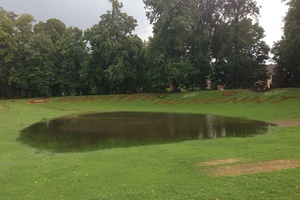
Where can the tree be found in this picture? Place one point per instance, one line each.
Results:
(287, 51)
(115, 54)
(170, 47)
(240, 58)
(206, 17)
(65, 56)
(207, 33)
(24, 33)
(73, 56)
(8, 48)
(40, 73)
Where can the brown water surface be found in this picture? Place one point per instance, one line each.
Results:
(96, 131)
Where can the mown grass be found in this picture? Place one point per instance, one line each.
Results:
(166, 171)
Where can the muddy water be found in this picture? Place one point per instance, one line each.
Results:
(96, 131)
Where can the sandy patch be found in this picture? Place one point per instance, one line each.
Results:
(286, 123)
(190, 95)
(251, 168)
(219, 162)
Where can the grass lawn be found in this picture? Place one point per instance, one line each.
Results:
(195, 169)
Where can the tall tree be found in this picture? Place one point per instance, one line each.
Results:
(8, 48)
(57, 32)
(240, 58)
(23, 36)
(287, 51)
(40, 73)
(191, 35)
(74, 54)
(206, 21)
(115, 52)
(170, 46)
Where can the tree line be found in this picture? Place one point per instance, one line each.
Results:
(287, 50)
(193, 41)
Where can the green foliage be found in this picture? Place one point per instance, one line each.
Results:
(8, 48)
(44, 59)
(171, 41)
(116, 54)
(199, 32)
(193, 41)
(287, 51)
(73, 56)
(239, 50)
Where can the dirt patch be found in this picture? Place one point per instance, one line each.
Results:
(5, 106)
(37, 101)
(252, 168)
(287, 123)
(219, 162)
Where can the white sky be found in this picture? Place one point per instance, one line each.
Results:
(85, 13)
(272, 13)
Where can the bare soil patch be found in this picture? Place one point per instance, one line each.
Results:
(219, 162)
(287, 123)
(252, 168)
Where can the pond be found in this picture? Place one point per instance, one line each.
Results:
(95, 131)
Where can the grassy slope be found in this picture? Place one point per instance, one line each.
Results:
(151, 172)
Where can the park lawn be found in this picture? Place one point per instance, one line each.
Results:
(165, 171)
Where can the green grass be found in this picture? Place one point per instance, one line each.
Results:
(166, 171)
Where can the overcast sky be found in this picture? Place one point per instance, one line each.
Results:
(85, 13)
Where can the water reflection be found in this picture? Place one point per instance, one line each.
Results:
(123, 129)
